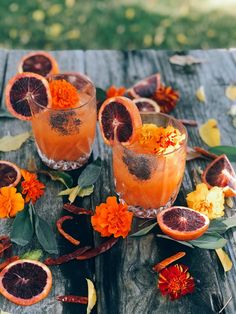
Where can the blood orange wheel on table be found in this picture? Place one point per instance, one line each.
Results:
(39, 62)
(25, 282)
(221, 173)
(119, 116)
(182, 223)
(24, 88)
(9, 173)
(146, 87)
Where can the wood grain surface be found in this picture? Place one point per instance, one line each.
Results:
(123, 276)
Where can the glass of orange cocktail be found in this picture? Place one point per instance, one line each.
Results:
(64, 136)
(148, 177)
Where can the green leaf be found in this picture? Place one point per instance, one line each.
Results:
(86, 191)
(22, 229)
(61, 176)
(45, 235)
(217, 226)
(33, 255)
(100, 94)
(9, 143)
(230, 151)
(90, 174)
(230, 222)
(144, 231)
(169, 238)
(66, 192)
(209, 241)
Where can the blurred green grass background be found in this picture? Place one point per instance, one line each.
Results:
(112, 24)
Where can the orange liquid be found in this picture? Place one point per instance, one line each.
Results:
(146, 180)
(66, 135)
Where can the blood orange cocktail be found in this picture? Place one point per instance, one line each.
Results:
(64, 137)
(150, 180)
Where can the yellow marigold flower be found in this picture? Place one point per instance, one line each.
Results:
(207, 201)
(11, 202)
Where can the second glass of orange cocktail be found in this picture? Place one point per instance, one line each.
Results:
(64, 133)
(148, 173)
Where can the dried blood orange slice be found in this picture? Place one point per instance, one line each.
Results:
(182, 223)
(221, 173)
(39, 62)
(10, 174)
(146, 87)
(146, 105)
(26, 88)
(119, 116)
(25, 282)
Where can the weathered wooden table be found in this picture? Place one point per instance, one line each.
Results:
(123, 276)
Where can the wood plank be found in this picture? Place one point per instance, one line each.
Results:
(124, 279)
(49, 206)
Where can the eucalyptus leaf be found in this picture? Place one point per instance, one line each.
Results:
(144, 231)
(22, 229)
(217, 226)
(86, 191)
(33, 255)
(229, 151)
(209, 241)
(66, 192)
(169, 238)
(74, 194)
(61, 176)
(230, 222)
(9, 143)
(45, 235)
(100, 94)
(90, 174)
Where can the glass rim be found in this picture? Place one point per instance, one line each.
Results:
(180, 127)
(78, 74)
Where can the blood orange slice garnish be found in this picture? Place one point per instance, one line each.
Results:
(10, 174)
(25, 282)
(221, 173)
(119, 116)
(146, 105)
(146, 87)
(26, 88)
(182, 223)
(39, 62)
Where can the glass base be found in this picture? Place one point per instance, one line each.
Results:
(64, 165)
(148, 213)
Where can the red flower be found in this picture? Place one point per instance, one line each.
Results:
(113, 91)
(176, 281)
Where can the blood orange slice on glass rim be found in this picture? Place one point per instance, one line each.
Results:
(39, 62)
(9, 173)
(182, 223)
(221, 173)
(146, 105)
(146, 87)
(119, 117)
(26, 88)
(25, 282)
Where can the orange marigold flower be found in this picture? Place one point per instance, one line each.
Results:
(115, 91)
(166, 97)
(64, 94)
(159, 140)
(32, 187)
(112, 218)
(11, 202)
(175, 281)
